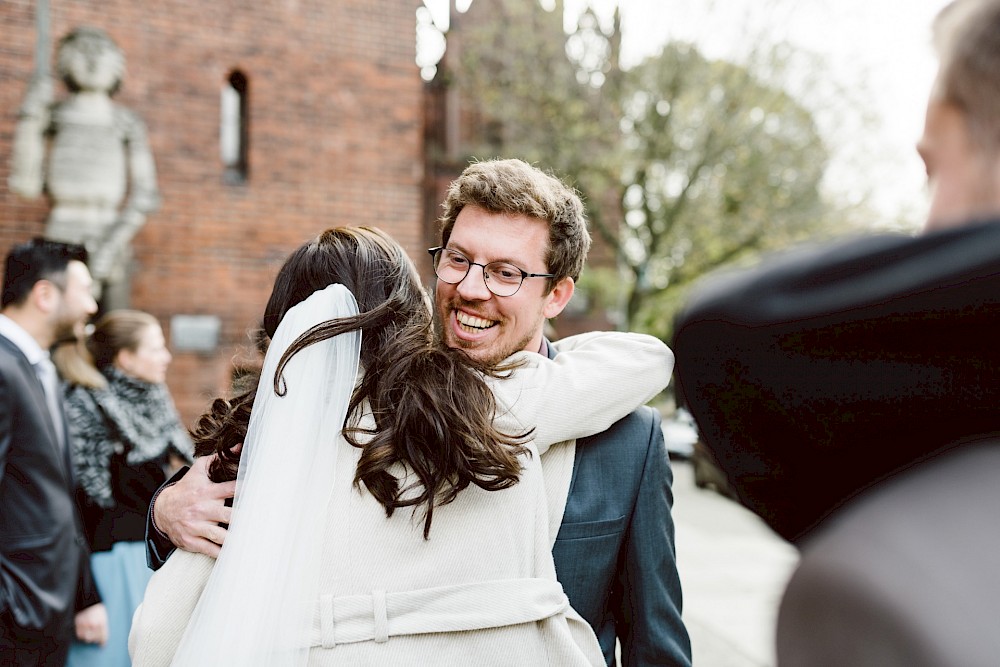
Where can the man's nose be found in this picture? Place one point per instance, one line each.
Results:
(473, 286)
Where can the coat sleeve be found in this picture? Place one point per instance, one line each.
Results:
(159, 623)
(158, 546)
(595, 380)
(87, 594)
(5, 439)
(646, 595)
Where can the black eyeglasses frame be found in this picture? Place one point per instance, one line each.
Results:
(433, 252)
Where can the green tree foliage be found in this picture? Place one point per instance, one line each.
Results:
(528, 96)
(686, 163)
(720, 166)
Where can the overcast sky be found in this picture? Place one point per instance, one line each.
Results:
(881, 48)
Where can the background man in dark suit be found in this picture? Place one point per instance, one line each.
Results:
(44, 570)
(610, 496)
(851, 395)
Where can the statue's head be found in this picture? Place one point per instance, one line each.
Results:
(89, 60)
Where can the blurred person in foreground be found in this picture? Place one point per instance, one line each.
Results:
(390, 506)
(127, 439)
(850, 393)
(46, 589)
(610, 494)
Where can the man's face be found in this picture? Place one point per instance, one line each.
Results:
(963, 178)
(76, 303)
(489, 327)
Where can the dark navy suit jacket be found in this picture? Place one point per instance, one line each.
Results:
(614, 552)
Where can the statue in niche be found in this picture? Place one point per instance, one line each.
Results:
(97, 154)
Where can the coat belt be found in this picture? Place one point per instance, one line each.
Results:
(346, 619)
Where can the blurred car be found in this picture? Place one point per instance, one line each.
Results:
(708, 474)
(680, 434)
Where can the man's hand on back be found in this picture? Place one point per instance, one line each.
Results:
(190, 511)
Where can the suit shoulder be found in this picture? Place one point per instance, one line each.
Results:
(11, 360)
(632, 435)
(9, 352)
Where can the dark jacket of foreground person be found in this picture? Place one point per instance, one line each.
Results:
(851, 396)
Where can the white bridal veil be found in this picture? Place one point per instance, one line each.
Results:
(257, 606)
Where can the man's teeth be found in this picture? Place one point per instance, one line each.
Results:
(473, 322)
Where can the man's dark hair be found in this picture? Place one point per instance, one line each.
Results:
(34, 260)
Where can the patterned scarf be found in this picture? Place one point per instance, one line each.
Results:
(128, 416)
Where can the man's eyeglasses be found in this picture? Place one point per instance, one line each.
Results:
(501, 278)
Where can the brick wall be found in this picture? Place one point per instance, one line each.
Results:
(335, 138)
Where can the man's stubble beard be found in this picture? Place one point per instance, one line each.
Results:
(63, 329)
(445, 338)
(64, 326)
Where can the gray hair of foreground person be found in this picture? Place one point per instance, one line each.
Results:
(967, 41)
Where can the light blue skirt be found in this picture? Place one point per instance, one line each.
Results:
(121, 576)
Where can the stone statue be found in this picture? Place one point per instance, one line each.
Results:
(97, 154)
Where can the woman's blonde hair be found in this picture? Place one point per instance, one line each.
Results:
(116, 331)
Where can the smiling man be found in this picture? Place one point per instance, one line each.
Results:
(513, 243)
(502, 307)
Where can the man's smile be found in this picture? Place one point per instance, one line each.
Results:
(471, 323)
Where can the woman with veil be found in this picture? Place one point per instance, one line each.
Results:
(390, 507)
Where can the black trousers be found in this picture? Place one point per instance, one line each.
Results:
(22, 647)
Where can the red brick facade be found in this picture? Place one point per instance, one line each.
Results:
(335, 118)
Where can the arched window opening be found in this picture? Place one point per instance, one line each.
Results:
(234, 132)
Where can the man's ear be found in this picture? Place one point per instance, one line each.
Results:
(44, 296)
(558, 297)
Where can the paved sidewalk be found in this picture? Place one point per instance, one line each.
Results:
(733, 569)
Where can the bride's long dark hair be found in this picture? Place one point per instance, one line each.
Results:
(433, 411)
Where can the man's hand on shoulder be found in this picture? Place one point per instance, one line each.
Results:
(190, 511)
